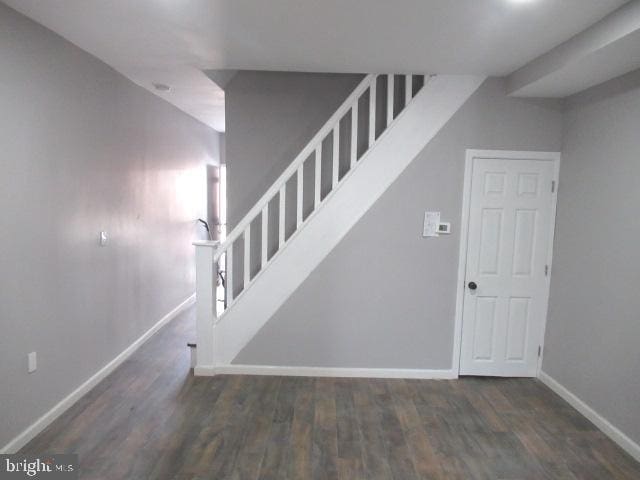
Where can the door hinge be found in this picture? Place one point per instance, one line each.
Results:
(546, 270)
(539, 350)
(553, 186)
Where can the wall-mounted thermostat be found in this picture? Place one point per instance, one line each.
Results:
(444, 228)
(433, 227)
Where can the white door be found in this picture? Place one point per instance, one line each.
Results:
(511, 215)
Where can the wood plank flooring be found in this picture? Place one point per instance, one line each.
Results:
(151, 419)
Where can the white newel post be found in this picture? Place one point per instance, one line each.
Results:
(206, 277)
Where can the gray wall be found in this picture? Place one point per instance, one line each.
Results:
(594, 315)
(270, 117)
(84, 150)
(385, 296)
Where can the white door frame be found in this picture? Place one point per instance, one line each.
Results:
(471, 154)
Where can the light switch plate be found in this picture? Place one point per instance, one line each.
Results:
(104, 239)
(32, 362)
(431, 222)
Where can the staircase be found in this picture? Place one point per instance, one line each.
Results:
(383, 125)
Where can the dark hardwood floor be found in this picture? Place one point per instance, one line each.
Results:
(151, 419)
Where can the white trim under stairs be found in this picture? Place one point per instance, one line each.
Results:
(220, 339)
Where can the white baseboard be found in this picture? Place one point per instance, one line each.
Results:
(44, 421)
(324, 372)
(628, 445)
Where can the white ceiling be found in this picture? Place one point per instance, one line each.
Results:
(173, 41)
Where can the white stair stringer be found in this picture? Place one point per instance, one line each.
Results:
(394, 150)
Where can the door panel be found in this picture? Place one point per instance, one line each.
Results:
(517, 327)
(483, 338)
(510, 219)
(524, 242)
(490, 235)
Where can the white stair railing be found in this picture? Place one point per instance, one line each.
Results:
(207, 263)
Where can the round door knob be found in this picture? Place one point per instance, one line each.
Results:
(473, 285)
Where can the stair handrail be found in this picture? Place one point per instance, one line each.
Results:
(309, 148)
